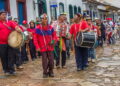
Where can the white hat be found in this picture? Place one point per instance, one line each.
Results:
(96, 18)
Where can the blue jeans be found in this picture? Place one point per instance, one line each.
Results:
(91, 53)
(112, 39)
(100, 41)
(81, 55)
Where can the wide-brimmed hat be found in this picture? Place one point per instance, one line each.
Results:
(63, 13)
(43, 16)
(88, 18)
(96, 18)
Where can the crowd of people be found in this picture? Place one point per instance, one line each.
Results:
(53, 42)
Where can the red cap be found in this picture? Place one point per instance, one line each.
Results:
(108, 18)
(24, 22)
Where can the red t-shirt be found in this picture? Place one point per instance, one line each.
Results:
(5, 31)
(84, 24)
(76, 27)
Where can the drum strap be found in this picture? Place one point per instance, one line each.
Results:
(7, 26)
(76, 27)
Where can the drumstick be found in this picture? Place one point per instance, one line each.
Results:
(28, 51)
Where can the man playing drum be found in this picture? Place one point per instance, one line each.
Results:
(81, 53)
(91, 51)
(6, 52)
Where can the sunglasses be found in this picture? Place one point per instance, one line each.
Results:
(44, 19)
(43, 16)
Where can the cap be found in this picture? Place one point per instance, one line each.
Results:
(79, 14)
(24, 22)
(2, 11)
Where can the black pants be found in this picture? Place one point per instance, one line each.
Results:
(13, 59)
(68, 52)
(3, 56)
(24, 53)
(81, 55)
(68, 46)
(100, 41)
(18, 58)
(32, 49)
(57, 56)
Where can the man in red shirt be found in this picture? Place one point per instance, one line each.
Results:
(7, 53)
(81, 54)
(91, 51)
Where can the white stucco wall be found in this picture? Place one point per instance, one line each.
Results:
(13, 9)
(48, 10)
(77, 3)
(31, 15)
(36, 9)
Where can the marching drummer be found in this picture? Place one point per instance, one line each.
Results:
(7, 53)
(91, 51)
(81, 54)
(31, 30)
(24, 55)
(44, 40)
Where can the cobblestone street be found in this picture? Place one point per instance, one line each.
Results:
(105, 72)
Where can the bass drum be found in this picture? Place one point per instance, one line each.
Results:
(16, 39)
(86, 39)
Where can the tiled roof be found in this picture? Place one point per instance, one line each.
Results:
(115, 3)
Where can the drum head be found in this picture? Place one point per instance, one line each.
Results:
(15, 39)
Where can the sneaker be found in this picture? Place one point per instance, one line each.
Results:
(93, 60)
(6, 73)
(57, 67)
(79, 69)
(45, 75)
(89, 59)
(12, 73)
(51, 74)
(87, 65)
(64, 67)
(20, 68)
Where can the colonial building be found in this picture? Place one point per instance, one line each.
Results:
(102, 8)
(22, 9)
(30, 9)
(55, 7)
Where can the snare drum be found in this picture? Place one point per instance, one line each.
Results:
(86, 39)
(16, 39)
